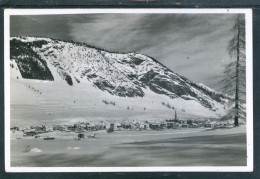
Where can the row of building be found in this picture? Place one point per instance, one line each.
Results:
(111, 126)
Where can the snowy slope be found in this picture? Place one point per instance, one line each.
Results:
(72, 80)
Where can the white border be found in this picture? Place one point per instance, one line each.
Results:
(249, 90)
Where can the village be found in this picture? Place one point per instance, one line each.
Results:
(110, 126)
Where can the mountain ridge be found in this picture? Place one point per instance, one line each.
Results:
(120, 74)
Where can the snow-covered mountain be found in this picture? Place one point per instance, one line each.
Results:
(125, 76)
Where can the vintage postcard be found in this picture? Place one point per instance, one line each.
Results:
(107, 90)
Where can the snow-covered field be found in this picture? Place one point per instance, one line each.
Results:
(186, 147)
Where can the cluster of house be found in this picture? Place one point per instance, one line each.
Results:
(111, 126)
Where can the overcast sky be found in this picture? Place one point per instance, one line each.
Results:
(192, 45)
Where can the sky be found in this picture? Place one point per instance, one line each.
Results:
(192, 45)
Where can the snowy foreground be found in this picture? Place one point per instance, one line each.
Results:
(172, 147)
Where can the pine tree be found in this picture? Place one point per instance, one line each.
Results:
(234, 82)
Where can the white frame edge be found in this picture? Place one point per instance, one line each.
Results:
(249, 90)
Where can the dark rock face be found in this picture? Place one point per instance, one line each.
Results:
(136, 61)
(129, 92)
(119, 90)
(104, 85)
(30, 64)
(165, 84)
(68, 80)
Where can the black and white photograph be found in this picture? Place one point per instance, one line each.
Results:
(128, 90)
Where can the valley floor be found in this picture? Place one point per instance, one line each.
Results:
(185, 147)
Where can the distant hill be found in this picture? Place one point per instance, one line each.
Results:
(125, 75)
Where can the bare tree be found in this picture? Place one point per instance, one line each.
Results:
(234, 82)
